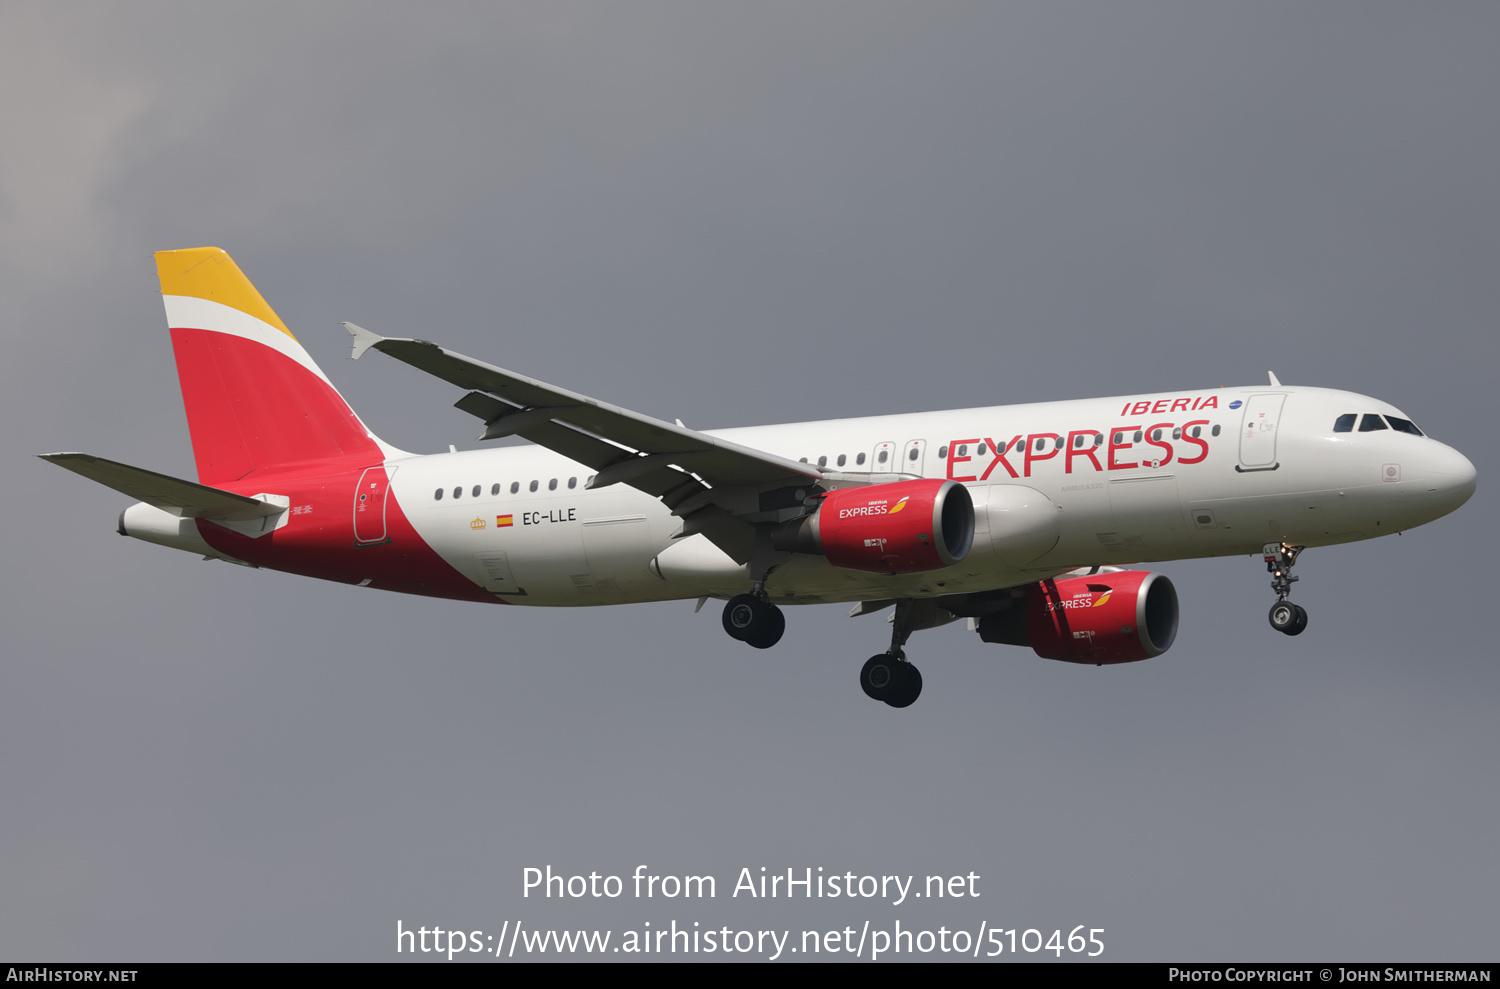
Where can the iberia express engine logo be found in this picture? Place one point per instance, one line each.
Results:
(874, 508)
(1081, 600)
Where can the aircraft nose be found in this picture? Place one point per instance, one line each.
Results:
(1449, 477)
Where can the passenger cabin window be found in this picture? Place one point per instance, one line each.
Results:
(1403, 425)
(533, 485)
(914, 452)
(437, 495)
(494, 490)
(1137, 435)
(515, 486)
(963, 449)
(1369, 423)
(475, 492)
(1344, 423)
(458, 492)
(552, 484)
(823, 461)
(572, 483)
(859, 459)
(883, 455)
(1215, 431)
(841, 460)
(942, 453)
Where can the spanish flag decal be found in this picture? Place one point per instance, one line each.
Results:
(501, 521)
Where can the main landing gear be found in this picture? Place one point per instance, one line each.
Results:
(889, 677)
(751, 618)
(1285, 617)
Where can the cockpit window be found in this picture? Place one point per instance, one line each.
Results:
(1344, 423)
(1369, 422)
(1403, 425)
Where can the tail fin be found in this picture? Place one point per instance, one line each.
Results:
(255, 400)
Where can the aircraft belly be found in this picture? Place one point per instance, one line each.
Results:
(1147, 516)
(1234, 525)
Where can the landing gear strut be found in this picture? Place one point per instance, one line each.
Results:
(1285, 617)
(889, 677)
(751, 618)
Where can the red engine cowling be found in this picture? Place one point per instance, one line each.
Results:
(901, 527)
(1113, 617)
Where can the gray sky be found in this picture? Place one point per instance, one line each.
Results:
(741, 213)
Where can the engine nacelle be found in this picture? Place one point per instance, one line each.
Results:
(901, 527)
(1117, 616)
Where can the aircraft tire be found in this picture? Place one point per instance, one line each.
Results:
(768, 631)
(1300, 622)
(1283, 618)
(879, 676)
(908, 686)
(741, 615)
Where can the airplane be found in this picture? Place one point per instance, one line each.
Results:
(1018, 519)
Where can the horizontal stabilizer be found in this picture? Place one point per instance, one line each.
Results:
(185, 499)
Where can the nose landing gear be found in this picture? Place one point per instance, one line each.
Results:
(1285, 617)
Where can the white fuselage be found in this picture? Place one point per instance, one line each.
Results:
(1079, 483)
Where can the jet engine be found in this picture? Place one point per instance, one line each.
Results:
(895, 528)
(1116, 616)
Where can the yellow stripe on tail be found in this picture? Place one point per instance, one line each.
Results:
(209, 273)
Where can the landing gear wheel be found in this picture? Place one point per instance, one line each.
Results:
(749, 619)
(879, 676)
(892, 680)
(768, 632)
(908, 686)
(740, 615)
(1288, 618)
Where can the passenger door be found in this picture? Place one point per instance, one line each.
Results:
(1258, 433)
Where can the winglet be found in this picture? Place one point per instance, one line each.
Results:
(1274, 382)
(363, 340)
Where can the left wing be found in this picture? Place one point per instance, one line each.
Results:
(720, 488)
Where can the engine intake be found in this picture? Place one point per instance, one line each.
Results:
(896, 528)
